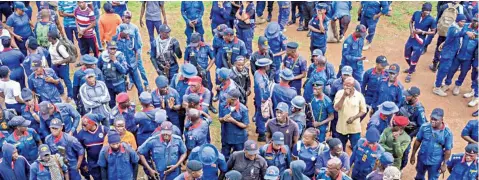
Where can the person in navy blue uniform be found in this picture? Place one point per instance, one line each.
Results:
(211, 160)
(160, 117)
(195, 86)
(179, 82)
(284, 8)
(114, 67)
(276, 153)
(125, 109)
(261, 84)
(245, 25)
(167, 151)
(319, 70)
(470, 132)
(45, 83)
(385, 159)
(308, 149)
(297, 64)
(220, 14)
(455, 35)
(282, 92)
(277, 42)
(319, 28)
(19, 26)
(166, 98)
(217, 46)
(352, 53)
(145, 119)
(25, 139)
(117, 159)
(48, 166)
(264, 51)
(13, 59)
(192, 13)
(234, 123)
(381, 119)
(298, 113)
(194, 171)
(63, 111)
(322, 110)
(226, 85)
(335, 150)
(201, 55)
(421, 25)
(233, 47)
(370, 12)
(34, 50)
(415, 112)
(12, 165)
(464, 57)
(67, 146)
(31, 112)
(372, 78)
(365, 154)
(434, 141)
(390, 89)
(196, 129)
(91, 137)
(464, 166)
(88, 62)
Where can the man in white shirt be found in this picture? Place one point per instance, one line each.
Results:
(60, 57)
(10, 90)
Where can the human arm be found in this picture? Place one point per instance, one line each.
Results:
(76, 118)
(243, 123)
(417, 144)
(465, 134)
(142, 13)
(163, 12)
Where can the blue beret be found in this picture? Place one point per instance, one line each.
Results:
(372, 135)
(4, 71)
(437, 113)
(194, 165)
(113, 137)
(188, 70)
(208, 154)
(193, 98)
(145, 97)
(471, 148)
(233, 175)
(161, 81)
(165, 28)
(460, 17)
(88, 59)
(224, 73)
(333, 142)
(292, 45)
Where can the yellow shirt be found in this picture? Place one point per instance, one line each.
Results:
(351, 107)
(127, 138)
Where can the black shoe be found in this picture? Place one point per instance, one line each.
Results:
(269, 18)
(216, 97)
(290, 23)
(300, 28)
(254, 119)
(433, 66)
(474, 114)
(261, 138)
(213, 109)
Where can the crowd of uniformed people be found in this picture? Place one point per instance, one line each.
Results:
(54, 126)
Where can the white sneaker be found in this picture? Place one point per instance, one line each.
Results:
(469, 94)
(456, 90)
(439, 92)
(473, 102)
(445, 88)
(366, 46)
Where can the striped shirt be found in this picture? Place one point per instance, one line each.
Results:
(84, 18)
(68, 7)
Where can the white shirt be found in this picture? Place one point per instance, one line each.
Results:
(4, 33)
(10, 89)
(55, 55)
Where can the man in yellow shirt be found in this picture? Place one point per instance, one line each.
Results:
(350, 105)
(126, 136)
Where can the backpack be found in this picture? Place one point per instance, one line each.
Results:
(448, 17)
(71, 50)
(41, 32)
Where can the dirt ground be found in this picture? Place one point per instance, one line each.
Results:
(389, 41)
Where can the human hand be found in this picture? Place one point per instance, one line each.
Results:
(141, 22)
(443, 168)
(412, 161)
(171, 102)
(170, 169)
(471, 34)
(316, 124)
(350, 120)
(49, 79)
(18, 38)
(153, 173)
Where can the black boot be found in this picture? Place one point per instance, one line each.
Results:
(269, 18)
(474, 114)
(213, 109)
(433, 66)
(261, 138)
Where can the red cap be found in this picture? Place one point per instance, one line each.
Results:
(194, 79)
(122, 97)
(401, 121)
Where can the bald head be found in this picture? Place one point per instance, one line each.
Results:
(349, 81)
(321, 60)
(335, 162)
(193, 114)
